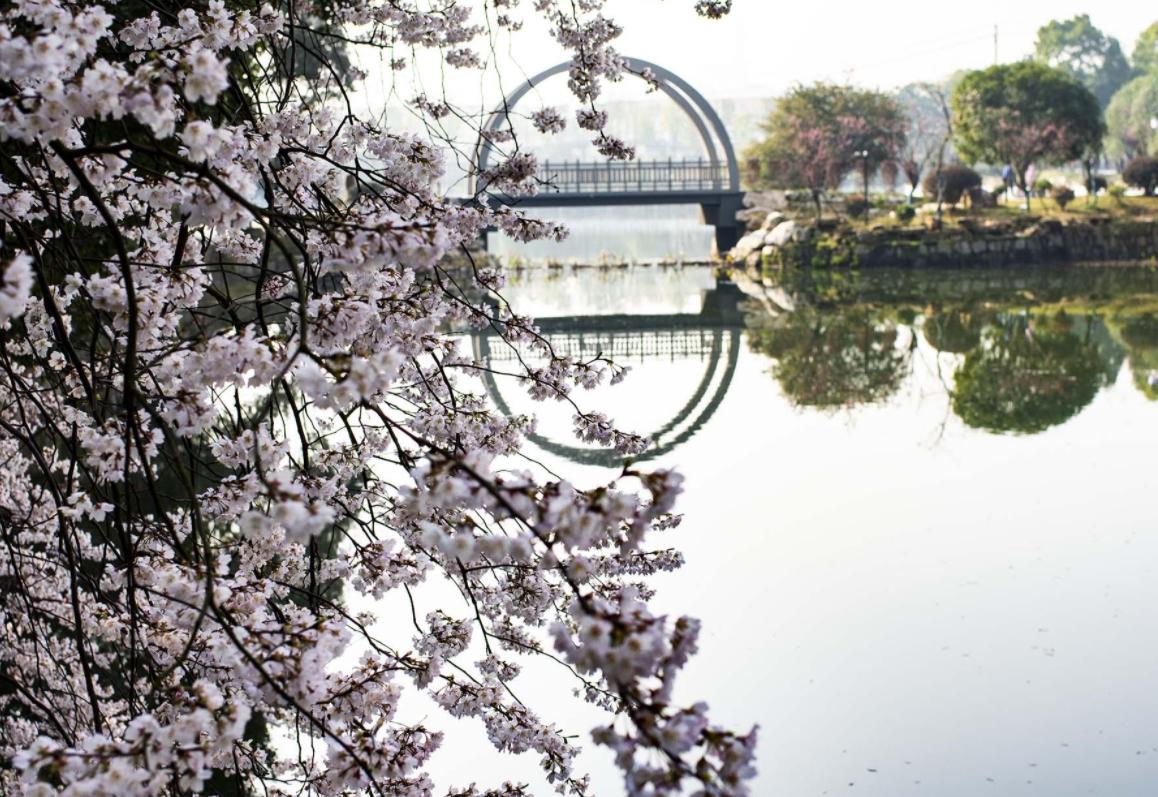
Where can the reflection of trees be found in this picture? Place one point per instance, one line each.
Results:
(1026, 377)
(1014, 374)
(953, 330)
(1094, 288)
(1140, 336)
(839, 357)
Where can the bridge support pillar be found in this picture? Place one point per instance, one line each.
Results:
(721, 214)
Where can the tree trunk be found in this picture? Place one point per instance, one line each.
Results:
(940, 201)
(865, 171)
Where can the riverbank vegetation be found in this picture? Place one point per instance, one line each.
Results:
(1068, 132)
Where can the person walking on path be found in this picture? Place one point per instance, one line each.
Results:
(1008, 178)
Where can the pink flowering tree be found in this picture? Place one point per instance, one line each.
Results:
(872, 137)
(1027, 144)
(816, 135)
(818, 161)
(235, 423)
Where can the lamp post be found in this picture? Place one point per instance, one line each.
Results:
(864, 159)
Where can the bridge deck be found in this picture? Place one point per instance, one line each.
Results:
(670, 182)
(633, 176)
(616, 198)
(707, 183)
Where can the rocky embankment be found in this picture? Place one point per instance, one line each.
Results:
(781, 241)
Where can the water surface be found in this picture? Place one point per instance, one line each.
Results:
(920, 515)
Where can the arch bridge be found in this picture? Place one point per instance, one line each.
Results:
(712, 181)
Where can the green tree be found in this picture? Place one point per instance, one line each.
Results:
(1024, 113)
(1146, 50)
(1078, 47)
(1129, 116)
(1024, 378)
(816, 135)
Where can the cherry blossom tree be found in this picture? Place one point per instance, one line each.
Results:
(235, 417)
(816, 135)
(1026, 143)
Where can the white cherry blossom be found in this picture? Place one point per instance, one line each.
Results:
(237, 418)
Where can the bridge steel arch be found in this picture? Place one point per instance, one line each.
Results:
(719, 207)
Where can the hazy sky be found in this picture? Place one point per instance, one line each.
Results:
(765, 46)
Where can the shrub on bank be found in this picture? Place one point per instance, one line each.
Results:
(858, 205)
(1097, 185)
(955, 182)
(980, 199)
(1142, 173)
(1063, 195)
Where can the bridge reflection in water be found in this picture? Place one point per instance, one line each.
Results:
(712, 336)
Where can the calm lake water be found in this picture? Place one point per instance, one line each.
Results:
(644, 234)
(921, 516)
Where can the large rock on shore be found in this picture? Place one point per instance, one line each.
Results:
(752, 217)
(752, 242)
(787, 232)
(772, 220)
(776, 231)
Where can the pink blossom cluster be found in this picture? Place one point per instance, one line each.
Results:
(236, 417)
(548, 120)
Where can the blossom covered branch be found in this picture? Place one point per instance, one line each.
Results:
(235, 415)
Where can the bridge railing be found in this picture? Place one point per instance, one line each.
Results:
(576, 177)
